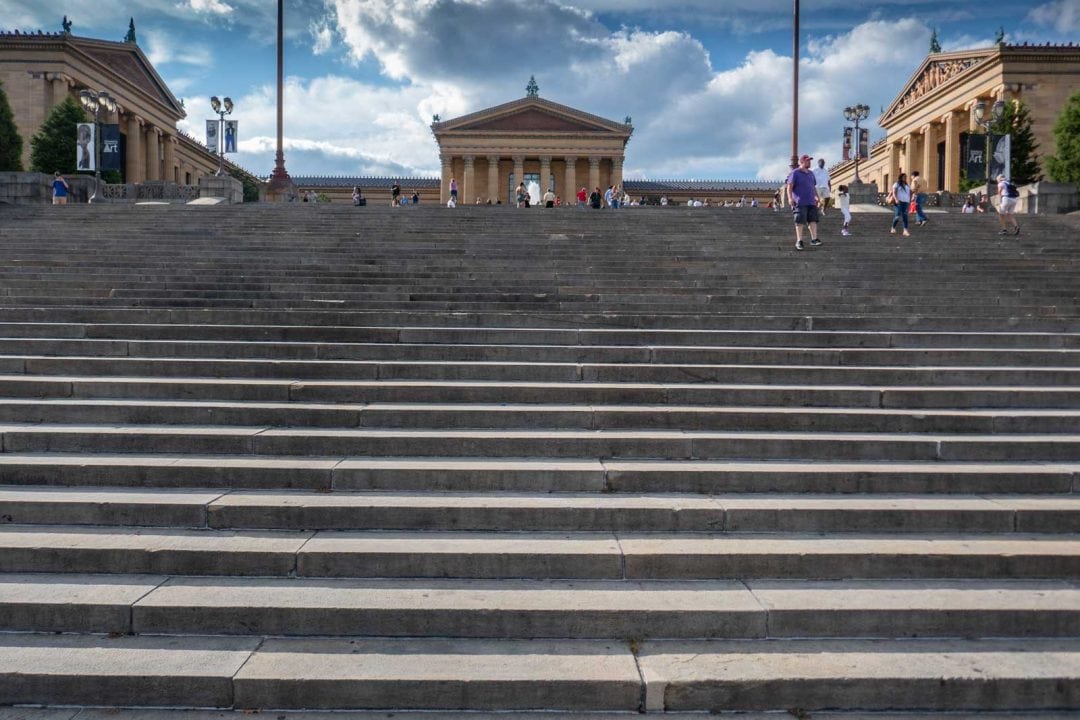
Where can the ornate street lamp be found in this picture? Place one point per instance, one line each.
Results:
(222, 108)
(97, 103)
(985, 121)
(856, 114)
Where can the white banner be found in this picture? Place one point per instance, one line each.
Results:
(85, 158)
(212, 136)
(231, 127)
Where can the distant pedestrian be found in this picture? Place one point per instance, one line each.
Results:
(395, 194)
(900, 199)
(1007, 197)
(453, 189)
(60, 189)
(549, 199)
(824, 184)
(969, 205)
(845, 208)
(596, 199)
(415, 198)
(609, 196)
(803, 198)
(358, 197)
(582, 198)
(918, 195)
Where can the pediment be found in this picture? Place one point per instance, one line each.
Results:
(532, 115)
(937, 71)
(127, 61)
(532, 120)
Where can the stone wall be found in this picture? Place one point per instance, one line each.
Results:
(26, 188)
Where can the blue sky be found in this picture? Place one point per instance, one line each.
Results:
(707, 82)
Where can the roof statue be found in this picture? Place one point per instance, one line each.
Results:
(130, 37)
(532, 89)
(66, 24)
(1000, 37)
(935, 46)
(435, 117)
(628, 121)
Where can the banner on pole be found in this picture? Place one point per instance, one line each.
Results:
(231, 127)
(1001, 160)
(110, 147)
(864, 143)
(975, 160)
(847, 144)
(212, 136)
(85, 161)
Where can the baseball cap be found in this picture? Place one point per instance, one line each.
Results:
(806, 157)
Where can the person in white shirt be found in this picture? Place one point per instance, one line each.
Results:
(845, 208)
(824, 184)
(900, 198)
(1007, 197)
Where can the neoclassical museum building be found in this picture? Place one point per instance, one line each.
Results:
(533, 139)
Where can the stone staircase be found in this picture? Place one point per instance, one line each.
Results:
(487, 460)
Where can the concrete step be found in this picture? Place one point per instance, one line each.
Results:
(534, 372)
(657, 444)
(538, 336)
(582, 675)
(536, 416)
(536, 474)
(884, 609)
(525, 392)
(599, 556)
(279, 510)
(548, 353)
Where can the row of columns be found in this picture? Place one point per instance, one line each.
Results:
(151, 150)
(467, 184)
(947, 128)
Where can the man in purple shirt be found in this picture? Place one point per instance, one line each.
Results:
(803, 199)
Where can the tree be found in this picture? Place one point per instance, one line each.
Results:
(11, 143)
(53, 148)
(1024, 164)
(251, 187)
(1065, 165)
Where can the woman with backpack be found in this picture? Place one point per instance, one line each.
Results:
(900, 199)
(1007, 194)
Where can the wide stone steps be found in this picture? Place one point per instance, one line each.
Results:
(584, 555)
(329, 458)
(760, 513)
(503, 609)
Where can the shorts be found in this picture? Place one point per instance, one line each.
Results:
(823, 192)
(1007, 205)
(805, 214)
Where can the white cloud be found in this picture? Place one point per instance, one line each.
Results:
(212, 7)
(162, 47)
(1061, 15)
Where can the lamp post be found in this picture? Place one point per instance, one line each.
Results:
(856, 114)
(96, 103)
(985, 121)
(222, 108)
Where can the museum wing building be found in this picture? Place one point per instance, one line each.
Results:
(39, 70)
(928, 121)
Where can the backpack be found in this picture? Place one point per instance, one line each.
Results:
(1011, 191)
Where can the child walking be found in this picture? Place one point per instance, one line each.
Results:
(845, 208)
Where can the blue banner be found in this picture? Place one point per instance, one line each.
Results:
(110, 147)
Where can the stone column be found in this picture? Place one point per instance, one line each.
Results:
(519, 170)
(447, 173)
(894, 163)
(616, 171)
(467, 192)
(153, 154)
(58, 86)
(545, 177)
(170, 159)
(594, 173)
(929, 157)
(952, 152)
(570, 191)
(970, 108)
(494, 192)
(133, 167)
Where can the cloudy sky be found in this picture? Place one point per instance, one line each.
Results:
(707, 82)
